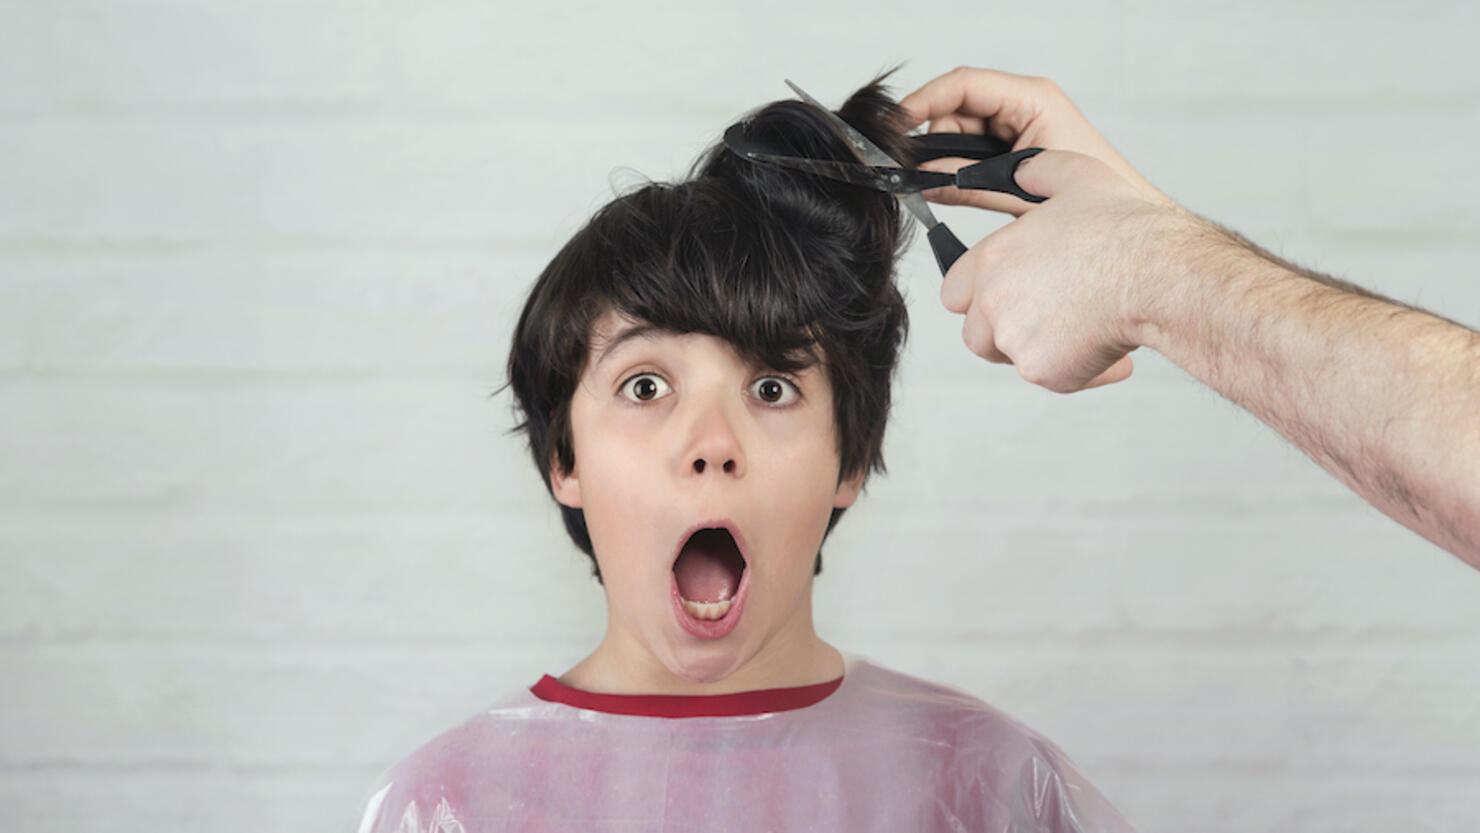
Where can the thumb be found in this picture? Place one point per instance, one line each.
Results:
(1054, 171)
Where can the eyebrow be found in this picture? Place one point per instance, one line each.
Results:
(651, 333)
(647, 331)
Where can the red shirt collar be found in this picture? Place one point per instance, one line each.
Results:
(686, 705)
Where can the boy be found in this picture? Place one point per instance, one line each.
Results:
(704, 374)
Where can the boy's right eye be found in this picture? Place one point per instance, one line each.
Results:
(645, 387)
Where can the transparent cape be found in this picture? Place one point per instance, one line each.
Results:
(883, 752)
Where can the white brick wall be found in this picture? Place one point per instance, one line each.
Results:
(261, 531)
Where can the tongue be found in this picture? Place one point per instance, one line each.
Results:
(702, 570)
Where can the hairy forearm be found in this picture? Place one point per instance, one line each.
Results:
(1383, 395)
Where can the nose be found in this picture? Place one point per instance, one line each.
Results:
(714, 445)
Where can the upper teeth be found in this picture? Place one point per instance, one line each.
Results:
(708, 610)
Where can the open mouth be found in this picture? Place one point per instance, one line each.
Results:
(709, 569)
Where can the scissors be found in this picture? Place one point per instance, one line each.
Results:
(881, 171)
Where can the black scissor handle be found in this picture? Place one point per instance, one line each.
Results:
(946, 246)
(995, 174)
(963, 145)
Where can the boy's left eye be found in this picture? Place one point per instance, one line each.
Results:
(774, 390)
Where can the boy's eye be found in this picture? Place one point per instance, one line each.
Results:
(644, 387)
(773, 390)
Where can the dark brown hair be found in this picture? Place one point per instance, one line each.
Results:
(787, 267)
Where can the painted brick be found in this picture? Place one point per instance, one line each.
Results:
(443, 52)
(1361, 183)
(1400, 707)
(1141, 571)
(1307, 54)
(1004, 443)
(231, 444)
(254, 704)
(193, 797)
(24, 86)
(311, 183)
(386, 313)
(366, 578)
(1236, 800)
(117, 56)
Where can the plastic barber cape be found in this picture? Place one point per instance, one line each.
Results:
(875, 750)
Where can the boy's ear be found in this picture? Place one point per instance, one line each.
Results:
(566, 486)
(848, 490)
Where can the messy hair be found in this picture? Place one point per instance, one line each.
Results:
(787, 267)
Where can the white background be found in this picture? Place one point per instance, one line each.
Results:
(263, 532)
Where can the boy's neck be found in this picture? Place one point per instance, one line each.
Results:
(617, 669)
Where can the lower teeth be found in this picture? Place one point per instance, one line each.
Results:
(708, 610)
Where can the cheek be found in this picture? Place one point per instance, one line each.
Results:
(602, 439)
(810, 446)
(602, 458)
(802, 480)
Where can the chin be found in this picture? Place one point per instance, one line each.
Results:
(705, 666)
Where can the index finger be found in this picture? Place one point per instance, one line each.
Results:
(984, 93)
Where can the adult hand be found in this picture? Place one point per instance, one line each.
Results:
(1023, 110)
(1064, 291)
(1382, 395)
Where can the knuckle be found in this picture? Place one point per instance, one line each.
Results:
(988, 256)
(1036, 368)
(1044, 373)
(1032, 371)
(971, 339)
(1010, 339)
(981, 313)
(976, 332)
(952, 297)
(1060, 385)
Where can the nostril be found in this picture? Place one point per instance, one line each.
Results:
(728, 467)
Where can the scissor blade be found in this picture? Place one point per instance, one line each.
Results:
(850, 172)
(870, 154)
(866, 151)
(891, 179)
(918, 207)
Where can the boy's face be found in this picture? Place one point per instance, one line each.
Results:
(673, 430)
